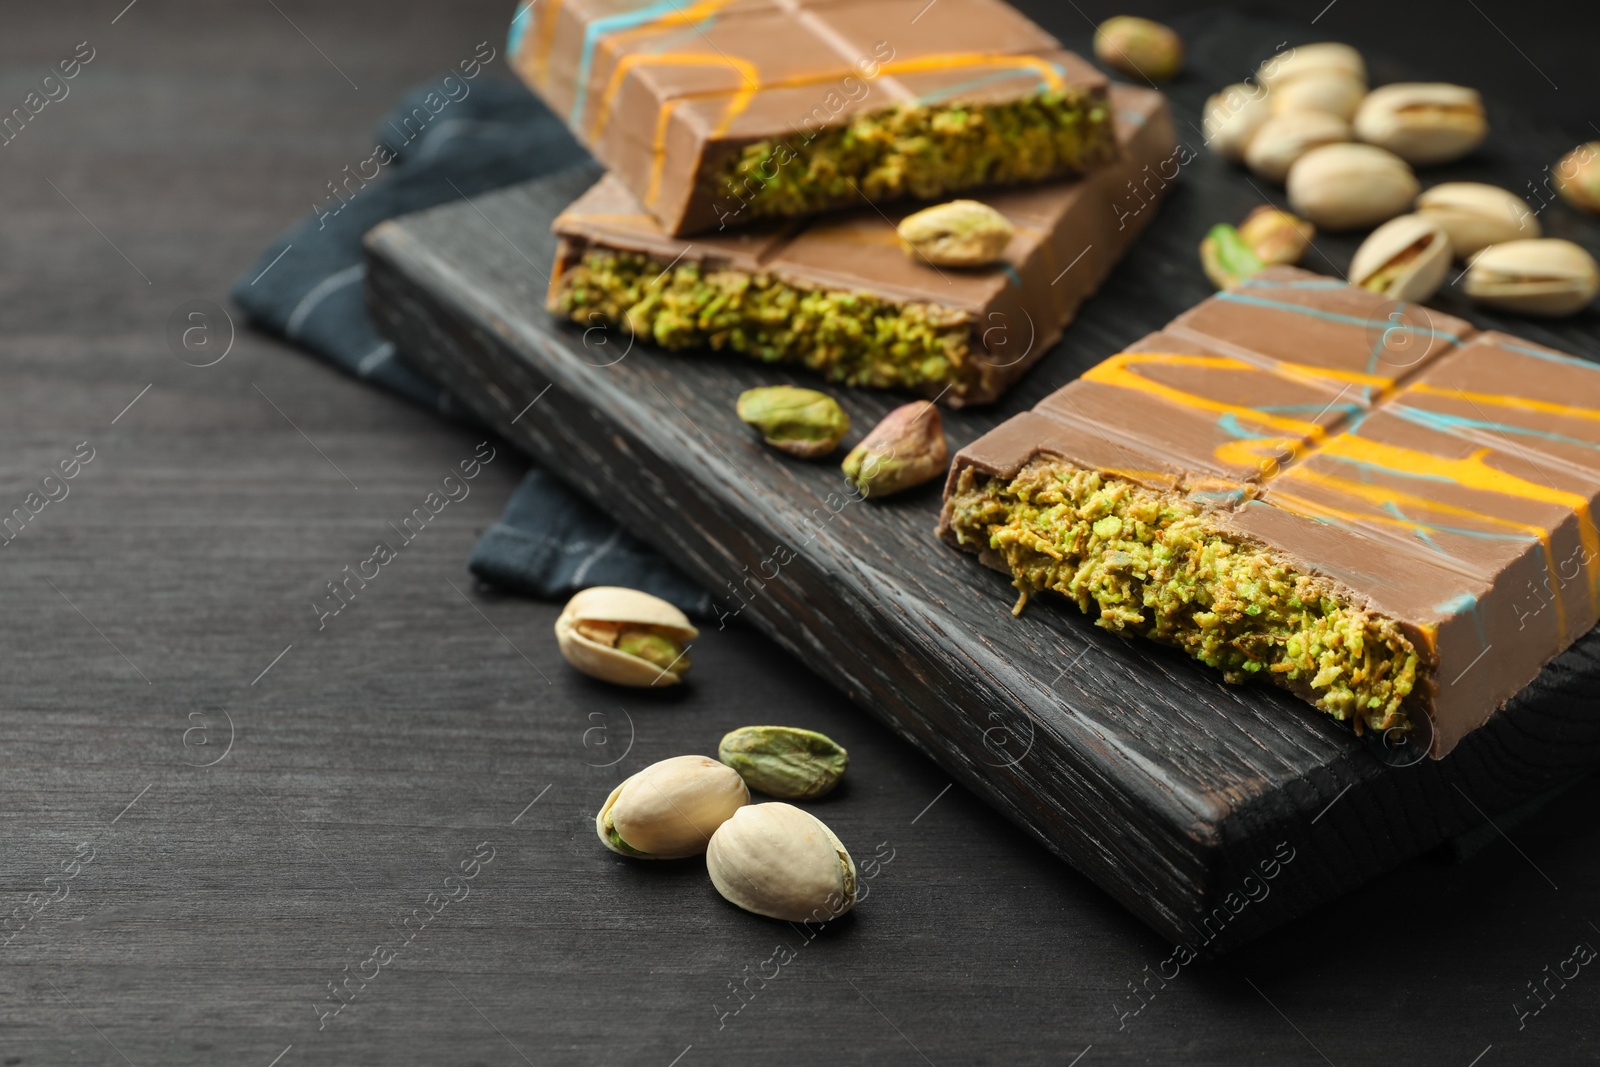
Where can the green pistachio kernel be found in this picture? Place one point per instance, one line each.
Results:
(801, 422)
(783, 761)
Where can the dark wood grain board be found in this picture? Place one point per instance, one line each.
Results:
(1165, 786)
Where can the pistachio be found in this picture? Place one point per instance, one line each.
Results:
(961, 233)
(801, 422)
(1328, 57)
(1286, 137)
(1578, 176)
(1334, 92)
(1275, 236)
(779, 861)
(625, 636)
(904, 450)
(1232, 118)
(1423, 122)
(1139, 48)
(1404, 259)
(1536, 277)
(1475, 216)
(1349, 186)
(671, 809)
(1226, 259)
(783, 761)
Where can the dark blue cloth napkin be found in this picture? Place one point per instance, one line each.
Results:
(443, 142)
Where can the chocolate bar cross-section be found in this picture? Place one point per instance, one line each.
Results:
(716, 113)
(1401, 530)
(841, 296)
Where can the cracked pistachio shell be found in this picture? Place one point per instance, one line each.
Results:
(670, 809)
(1334, 92)
(1475, 216)
(1578, 176)
(961, 233)
(905, 450)
(1350, 186)
(783, 761)
(1276, 236)
(779, 861)
(1404, 259)
(624, 636)
(1232, 118)
(1306, 60)
(1423, 122)
(801, 422)
(1286, 137)
(1139, 48)
(1536, 277)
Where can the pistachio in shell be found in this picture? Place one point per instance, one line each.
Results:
(1307, 60)
(1474, 215)
(1276, 236)
(1536, 277)
(961, 233)
(1406, 258)
(1334, 92)
(1577, 176)
(1226, 259)
(784, 761)
(779, 861)
(1423, 122)
(1350, 186)
(1233, 117)
(625, 636)
(1287, 136)
(671, 809)
(801, 422)
(1139, 48)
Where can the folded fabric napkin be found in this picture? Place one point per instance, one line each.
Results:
(443, 144)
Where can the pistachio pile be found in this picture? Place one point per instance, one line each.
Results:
(771, 859)
(1345, 156)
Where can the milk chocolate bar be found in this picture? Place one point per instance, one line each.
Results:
(1381, 510)
(841, 296)
(716, 113)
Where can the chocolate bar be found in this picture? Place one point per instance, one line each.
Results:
(716, 113)
(841, 296)
(1373, 506)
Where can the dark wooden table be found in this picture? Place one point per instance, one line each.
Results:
(185, 913)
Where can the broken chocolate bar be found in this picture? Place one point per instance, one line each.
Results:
(841, 296)
(716, 113)
(1375, 507)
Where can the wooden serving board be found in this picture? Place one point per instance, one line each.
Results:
(1213, 812)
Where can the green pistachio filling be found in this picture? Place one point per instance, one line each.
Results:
(915, 150)
(854, 338)
(1154, 564)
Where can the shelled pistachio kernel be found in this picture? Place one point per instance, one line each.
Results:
(670, 809)
(801, 422)
(776, 860)
(625, 636)
(903, 451)
(961, 233)
(784, 761)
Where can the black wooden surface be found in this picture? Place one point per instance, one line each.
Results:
(373, 756)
